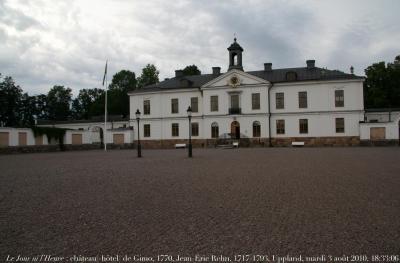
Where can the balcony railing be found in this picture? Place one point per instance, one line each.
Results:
(235, 110)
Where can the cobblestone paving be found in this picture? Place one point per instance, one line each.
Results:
(279, 200)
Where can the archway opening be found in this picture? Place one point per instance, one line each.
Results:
(235, 130)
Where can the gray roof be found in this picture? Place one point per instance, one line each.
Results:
(110, 118)
(273, 76)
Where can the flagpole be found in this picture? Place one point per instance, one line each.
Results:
(105, 109)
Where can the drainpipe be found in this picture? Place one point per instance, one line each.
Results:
(269, 115)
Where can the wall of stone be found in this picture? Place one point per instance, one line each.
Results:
(65, 147)
(318, 141)
(380, 143)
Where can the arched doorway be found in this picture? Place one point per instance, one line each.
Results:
(235, 130)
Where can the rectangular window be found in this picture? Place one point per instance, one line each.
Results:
(256, 129)
(303, 99)
(339, 98)
(175, 129)
(303, 125)
(214, 130)
(235, 101)
(280, 100)
(255, 101)
(195, 129)
(146, 130)
(339, 125)
(194, 104)
(174, 106)
(146, 107)
(280, 126)
(214, 103)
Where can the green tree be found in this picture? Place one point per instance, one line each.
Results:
(191, 70)
(41, 107)
(124, 80)
(149, 76)
(118, 99)
(58, 103)
(382, 85)
(82, 105)
(10, 102)
(28, 110)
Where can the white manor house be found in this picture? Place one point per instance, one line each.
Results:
(269, 106)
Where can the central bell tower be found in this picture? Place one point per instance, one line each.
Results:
(235, 56)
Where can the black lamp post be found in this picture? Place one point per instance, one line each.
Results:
(189, 113)
(139, 147)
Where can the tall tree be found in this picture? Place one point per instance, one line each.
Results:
(82, 105)
(118, 99)
(58, 103)
(191, 70)
(28, 110)
(10, 102)
(149, 76)
(382, 85)
(124, 80)
(41, 107)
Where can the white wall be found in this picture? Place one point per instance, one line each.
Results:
(391, 129)
(320, 96)
(319, 124)
(320, 112)
(13, 135)
(86, 136)
(128, 135)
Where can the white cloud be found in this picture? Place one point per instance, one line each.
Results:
(44, 43)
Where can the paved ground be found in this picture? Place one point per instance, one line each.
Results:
(281, 200)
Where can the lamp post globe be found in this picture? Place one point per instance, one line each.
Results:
(189, 113)
(139, 147)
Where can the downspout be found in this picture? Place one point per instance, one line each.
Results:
(269, 116)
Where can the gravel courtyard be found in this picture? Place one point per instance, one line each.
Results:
(282, 200)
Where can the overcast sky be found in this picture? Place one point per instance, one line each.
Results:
(45, 43)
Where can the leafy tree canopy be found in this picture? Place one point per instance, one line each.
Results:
(149, 76)
(10, 102)
(58, 103)
(124, 80)
(191, 70)
(83, 105)
(382, 85)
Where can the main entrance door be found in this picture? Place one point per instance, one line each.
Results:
(235, 130)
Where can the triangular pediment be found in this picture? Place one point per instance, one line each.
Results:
(235, 78)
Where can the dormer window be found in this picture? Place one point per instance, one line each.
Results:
(291, 76)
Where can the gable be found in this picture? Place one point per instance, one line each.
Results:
(235, 78)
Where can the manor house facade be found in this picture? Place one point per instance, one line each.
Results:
(269, 107)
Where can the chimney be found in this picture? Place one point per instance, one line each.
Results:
(267, 66)
(178, 73)
(310, 64)
(216, 71)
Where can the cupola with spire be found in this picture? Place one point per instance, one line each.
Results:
(235, 56)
